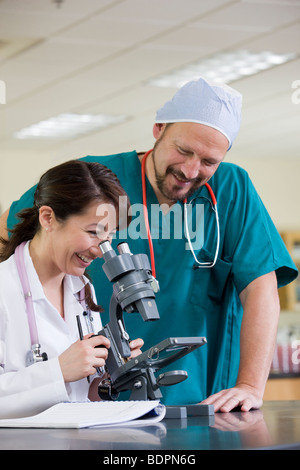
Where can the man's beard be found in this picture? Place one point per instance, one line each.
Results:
(176, 193)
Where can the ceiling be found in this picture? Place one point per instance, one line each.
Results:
(96, 56)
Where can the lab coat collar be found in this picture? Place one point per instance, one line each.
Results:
(73, 283)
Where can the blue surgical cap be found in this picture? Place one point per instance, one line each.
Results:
(217, 106)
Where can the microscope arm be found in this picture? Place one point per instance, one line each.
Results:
(117, 328)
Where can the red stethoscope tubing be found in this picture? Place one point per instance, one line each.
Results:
(145, 209)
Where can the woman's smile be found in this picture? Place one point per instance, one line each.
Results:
(84, 260)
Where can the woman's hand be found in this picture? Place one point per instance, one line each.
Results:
(82, 357)
(135, 347)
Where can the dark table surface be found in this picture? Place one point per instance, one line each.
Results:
(275, 426)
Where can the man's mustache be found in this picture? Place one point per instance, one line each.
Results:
(181, 176)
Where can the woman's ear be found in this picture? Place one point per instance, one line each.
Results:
(46, 217)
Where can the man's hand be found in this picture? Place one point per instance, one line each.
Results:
(257, 340)
(243, 396)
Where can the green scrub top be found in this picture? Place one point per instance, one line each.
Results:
(195, 302)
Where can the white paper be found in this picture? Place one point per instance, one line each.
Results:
(91, 414)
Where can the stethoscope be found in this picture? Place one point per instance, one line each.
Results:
(208, 264)
(34, 354)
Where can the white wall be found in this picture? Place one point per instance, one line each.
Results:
(277, 180)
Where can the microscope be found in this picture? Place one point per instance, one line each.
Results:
(134, 290)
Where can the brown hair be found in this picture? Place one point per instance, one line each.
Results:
(68, 189)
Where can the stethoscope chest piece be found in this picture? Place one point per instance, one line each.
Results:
(35, 355)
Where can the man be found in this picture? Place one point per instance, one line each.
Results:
(231, 300)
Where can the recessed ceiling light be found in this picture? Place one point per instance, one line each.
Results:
(68, 125)
(223, 68)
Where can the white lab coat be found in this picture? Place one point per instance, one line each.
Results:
(30, 390)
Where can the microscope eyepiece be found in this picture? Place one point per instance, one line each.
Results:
(124, 248)
(105, 246)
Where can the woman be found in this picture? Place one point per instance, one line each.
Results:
(57, 239)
